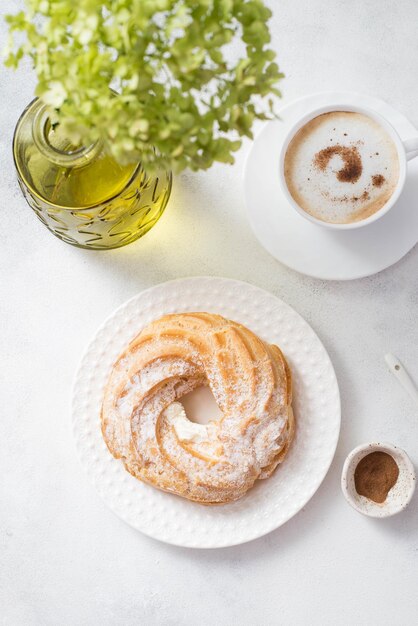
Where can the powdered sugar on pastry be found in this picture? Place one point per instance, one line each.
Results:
(144, 424)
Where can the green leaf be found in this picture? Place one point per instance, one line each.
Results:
(146, 74)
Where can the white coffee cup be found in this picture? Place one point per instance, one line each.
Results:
(406, 150)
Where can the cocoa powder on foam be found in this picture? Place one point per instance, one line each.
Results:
(350, 171)
(352, 165)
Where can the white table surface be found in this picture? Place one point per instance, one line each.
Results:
(65, 558)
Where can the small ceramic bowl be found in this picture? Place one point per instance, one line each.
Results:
(400, 494)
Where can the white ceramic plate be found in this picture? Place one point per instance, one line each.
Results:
(271, 502)
(306, 247)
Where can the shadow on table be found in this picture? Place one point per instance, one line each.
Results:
(192, 237)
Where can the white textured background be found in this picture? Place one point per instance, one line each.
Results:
(64, 558)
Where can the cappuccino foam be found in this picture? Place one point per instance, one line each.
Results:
(341, 167)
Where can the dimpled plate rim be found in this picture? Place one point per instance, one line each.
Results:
(270, 503)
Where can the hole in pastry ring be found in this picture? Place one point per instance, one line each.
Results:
(250, 381)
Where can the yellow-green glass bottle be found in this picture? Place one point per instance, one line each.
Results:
(82, 194)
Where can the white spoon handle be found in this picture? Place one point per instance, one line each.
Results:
(402, 375)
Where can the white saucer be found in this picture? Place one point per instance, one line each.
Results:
(271, 502)
(311, 249)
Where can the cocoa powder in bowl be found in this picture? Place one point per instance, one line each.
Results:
(375, 475)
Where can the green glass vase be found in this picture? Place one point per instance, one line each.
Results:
(82, 195)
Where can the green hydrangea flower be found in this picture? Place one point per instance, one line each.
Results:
(180, 94)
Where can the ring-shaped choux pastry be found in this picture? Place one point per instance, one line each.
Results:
(144, 424)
